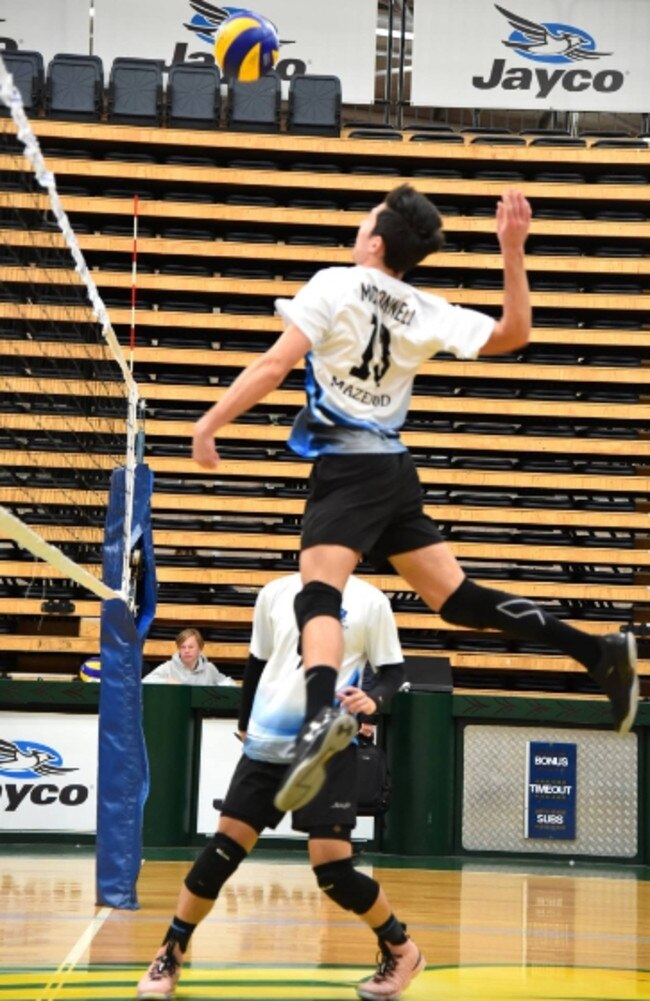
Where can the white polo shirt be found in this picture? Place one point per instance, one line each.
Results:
(278, 712)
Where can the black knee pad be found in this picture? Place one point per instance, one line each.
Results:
(216, 864)
(317, 598)
(351, 890)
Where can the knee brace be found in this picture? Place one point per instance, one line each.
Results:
(351, 890)
(317, 598)
(214, 866)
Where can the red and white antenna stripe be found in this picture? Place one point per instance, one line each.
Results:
(134, 281)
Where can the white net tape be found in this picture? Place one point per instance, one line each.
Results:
(37, 545)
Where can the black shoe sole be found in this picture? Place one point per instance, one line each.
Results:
(307, 777)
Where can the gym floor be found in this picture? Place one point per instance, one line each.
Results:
(488, 929)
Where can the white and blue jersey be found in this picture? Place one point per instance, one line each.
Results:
(369, 333)
(278, 712)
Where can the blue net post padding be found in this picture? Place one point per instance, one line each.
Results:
(123, 774)
(141, 540)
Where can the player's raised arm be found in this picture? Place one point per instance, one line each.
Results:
(252, 385)
(512, 330)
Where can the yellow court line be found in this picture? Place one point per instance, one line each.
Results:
(246, 983)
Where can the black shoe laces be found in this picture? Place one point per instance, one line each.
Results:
(166, 964)
(386, 963)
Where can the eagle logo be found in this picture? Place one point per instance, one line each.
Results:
(25, 759)
(208, 18)
(548, 41)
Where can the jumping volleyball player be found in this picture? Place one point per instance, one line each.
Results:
(364, 333)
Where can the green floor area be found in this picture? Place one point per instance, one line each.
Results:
(290, 853)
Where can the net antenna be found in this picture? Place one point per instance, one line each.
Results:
(134, 281)
(14, 528)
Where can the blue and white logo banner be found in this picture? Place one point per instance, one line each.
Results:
(564, 55)
(333, 39)
(551, 795)
(314, 37)
(48, 772)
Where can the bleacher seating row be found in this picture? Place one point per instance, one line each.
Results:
(535, 465)
(194, 95)
(72, 87)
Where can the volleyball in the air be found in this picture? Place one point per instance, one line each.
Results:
(91, 670)
(246, 46)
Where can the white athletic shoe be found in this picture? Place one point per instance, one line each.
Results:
(397, 967)
(159, 982)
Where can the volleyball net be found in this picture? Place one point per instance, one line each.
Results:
(74, 499)
(70, 402)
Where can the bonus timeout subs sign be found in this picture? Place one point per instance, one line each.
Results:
(551, 791)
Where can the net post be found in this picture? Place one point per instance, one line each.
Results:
(122, 634)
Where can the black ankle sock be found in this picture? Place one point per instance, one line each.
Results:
(179, 931)
(392, 931)
(321, 683)
(480, 607)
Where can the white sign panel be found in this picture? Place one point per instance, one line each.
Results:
(48, 26)
(313, 39)
(220, 752)
(565, 55)
(48, 772)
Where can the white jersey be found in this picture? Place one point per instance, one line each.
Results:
(278, 712)
(369, 333)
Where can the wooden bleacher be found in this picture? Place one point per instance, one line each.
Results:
(536, 466)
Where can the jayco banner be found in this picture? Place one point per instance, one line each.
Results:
(314, 38)
(338, 39)
(48, 772)
(563, 55)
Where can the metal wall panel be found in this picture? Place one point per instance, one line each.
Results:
(494, 791)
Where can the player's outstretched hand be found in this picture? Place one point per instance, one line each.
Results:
(513, 220)
(204, 449)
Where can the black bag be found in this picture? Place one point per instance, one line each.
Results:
(374, 781)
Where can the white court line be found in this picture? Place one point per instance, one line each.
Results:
(75, 954)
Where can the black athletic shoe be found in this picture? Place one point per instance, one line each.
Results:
(616, 675)
(329, 732)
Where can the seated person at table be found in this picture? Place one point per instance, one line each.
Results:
(189, 665)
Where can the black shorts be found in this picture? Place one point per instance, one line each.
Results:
(371, 503)
(255, 783)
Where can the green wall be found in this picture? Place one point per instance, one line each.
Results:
(421, 735)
